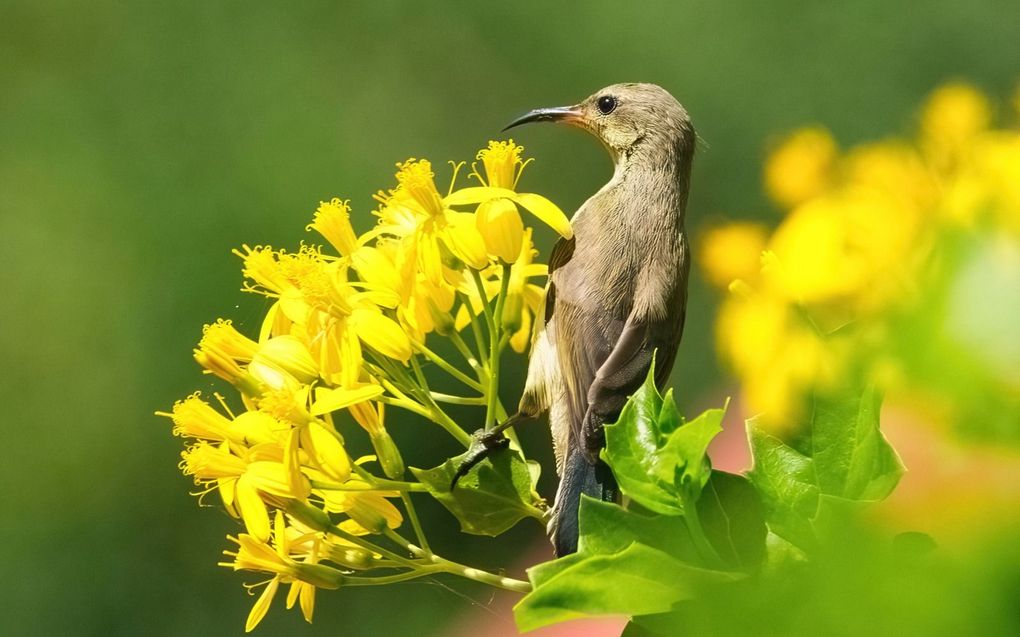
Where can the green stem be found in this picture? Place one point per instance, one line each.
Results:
(412, 514)
(489, 321)
(369, 546)
(496, 344)
(447, 367)
(458, 400)
(391, 579)
(477, 332)
(454, 568)
(466, 352)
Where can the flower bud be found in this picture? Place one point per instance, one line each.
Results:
(318, 575)
(311, 516)
(366, 515)
(389, 455)
(500, 225)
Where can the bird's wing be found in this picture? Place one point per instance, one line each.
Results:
(605, 359)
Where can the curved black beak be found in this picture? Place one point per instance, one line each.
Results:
(557, 114)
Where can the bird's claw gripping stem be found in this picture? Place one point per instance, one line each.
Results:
(483, 443)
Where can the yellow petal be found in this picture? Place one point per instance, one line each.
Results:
(272, 477)
(381, 333)
(261, 607)
(253, 510)
(465, 241)
(292, 458)
(329, 400)
(289, 354)
(477, 194)
(307, 601)
(548, 212)
(326, 451)
(375, 267)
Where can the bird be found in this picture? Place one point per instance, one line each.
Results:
(616, 296)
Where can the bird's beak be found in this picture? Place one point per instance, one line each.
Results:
(568, 114)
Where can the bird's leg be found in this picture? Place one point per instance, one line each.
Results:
(483, 443)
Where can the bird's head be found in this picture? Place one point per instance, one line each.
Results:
(626, 118)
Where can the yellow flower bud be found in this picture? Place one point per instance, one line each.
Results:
(500, 225)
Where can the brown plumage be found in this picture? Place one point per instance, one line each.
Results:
(617, 291)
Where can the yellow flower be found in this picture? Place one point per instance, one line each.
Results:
(416, 213)
(195, 418)
(503, 167)
(731, 252)
(503, 164)
(801, 167)
(254, 554)
(954, 114)
(241, 480)
(333, 221)
(222, 349)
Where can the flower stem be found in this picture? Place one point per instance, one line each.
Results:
(447, 367)
(476, 331)
(458, 400)
(466, 352)
(489, 321)
(454, 568)
(496, 345)
(412, 514)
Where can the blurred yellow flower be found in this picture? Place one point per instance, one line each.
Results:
(732, 251)
(801, 167)
(864, 238)
(954, 114)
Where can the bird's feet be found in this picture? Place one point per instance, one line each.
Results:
(483, 443)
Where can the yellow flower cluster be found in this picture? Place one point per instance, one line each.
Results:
(346, 336)
(810, 303)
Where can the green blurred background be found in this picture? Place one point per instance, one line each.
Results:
(140, 142)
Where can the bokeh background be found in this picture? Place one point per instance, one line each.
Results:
(140, 142)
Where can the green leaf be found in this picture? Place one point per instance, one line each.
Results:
(732, 517)
(627, 563)
(809, 485)
(490, 498)
(636, 580)
(657, 459)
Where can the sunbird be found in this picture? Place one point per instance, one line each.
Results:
(616, 297)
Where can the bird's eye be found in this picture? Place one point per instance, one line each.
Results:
(606, 104)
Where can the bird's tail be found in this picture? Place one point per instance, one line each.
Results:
(579, 476)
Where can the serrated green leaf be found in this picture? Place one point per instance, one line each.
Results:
(852, 458)
(785, 480)
(637, 580)
(841, 461)
(657, 459)
(490, 498)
